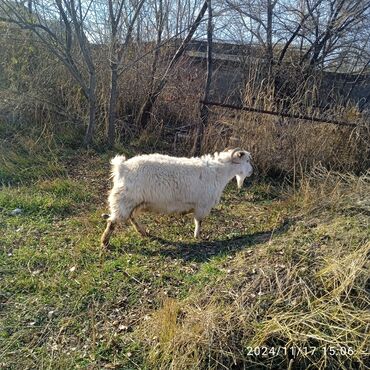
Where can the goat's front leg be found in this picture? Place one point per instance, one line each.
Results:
(138, 227)
(199, 214)
(198, 224)
(107, 233)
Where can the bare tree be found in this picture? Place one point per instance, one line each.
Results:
(60, 26)
(160, 16)
(291, 35)
(145, 110)
(319, 28)
(260, 15)
(118, 25)
(331, 24)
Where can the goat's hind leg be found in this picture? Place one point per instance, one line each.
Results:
(107, 233)
(121, 214)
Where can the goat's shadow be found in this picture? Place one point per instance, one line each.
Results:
(203, 250)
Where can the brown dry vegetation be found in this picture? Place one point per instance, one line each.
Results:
(291, 147)
(298, 300)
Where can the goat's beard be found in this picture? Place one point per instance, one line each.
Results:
(240, 181)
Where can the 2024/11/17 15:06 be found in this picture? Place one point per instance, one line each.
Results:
(295, 351)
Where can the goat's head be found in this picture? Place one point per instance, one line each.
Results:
(241, 159)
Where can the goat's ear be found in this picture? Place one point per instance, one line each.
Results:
(240, 154)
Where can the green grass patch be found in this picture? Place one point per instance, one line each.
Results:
(273, 268)
(25, 157)
(58, 197)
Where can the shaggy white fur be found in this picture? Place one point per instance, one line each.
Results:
(163, 184)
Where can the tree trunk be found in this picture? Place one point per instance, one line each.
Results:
(145, 110)
(270, 55)
(92, 111)
(204, 111)
(112, 104)
(116, 57)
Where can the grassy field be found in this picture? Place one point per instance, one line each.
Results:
(279, 280)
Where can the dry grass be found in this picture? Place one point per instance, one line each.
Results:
(291, 147)
(299, 300)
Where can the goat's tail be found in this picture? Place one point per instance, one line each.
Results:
(116, 164)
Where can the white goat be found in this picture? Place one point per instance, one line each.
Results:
(165, 184)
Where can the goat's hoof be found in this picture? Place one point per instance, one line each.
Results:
(106, 249)
(142, 232)
(104, 244)
(145, 234)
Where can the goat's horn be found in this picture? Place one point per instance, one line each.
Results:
(234, 151)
